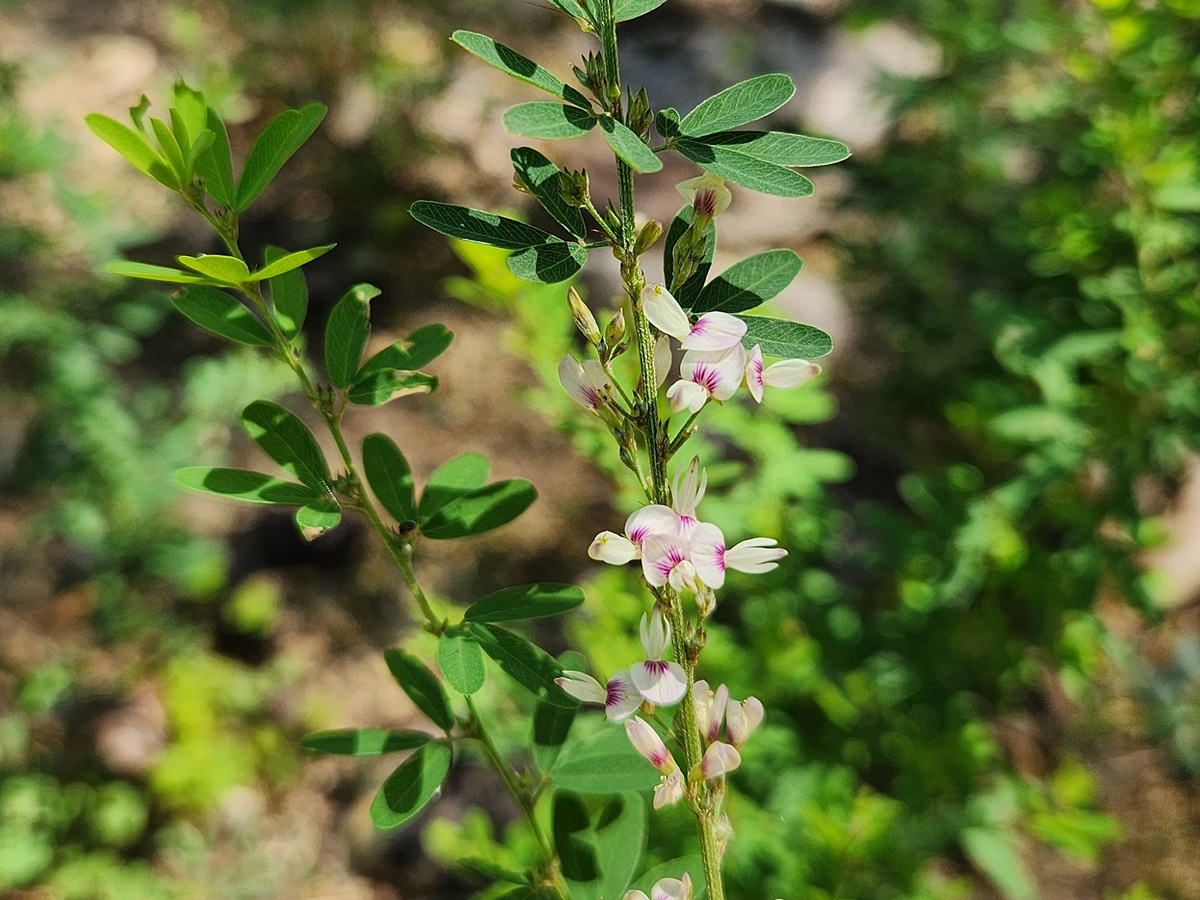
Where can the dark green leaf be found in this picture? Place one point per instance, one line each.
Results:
(551, 727)
(693, 865)
(238, 484)
(216, 311)
(147, 272)
(629, 147)
(548, 263)
(133, 146)
(478, 226)
(287, 440)
(377, 388)
(346, 334)
(389, 476)
(495, 871)
(749, 283)
(513, 63)
(226, 269)
(411, 786)
(617, 839)
(461, 661)
(569, 825)
(747, 171)
(526, 601)
(528, 665)
(283, 136)
(667, 123)
(215, 165)
(363, 741)
(480, 510)
(744, 102)
(414, 352)
(453, 478)
(422, 687)
(688, 292)
(631, 9)
(318, 517)
(790, 340)
(171, 150)
(290, 261)
(540, 175)
(289, 295)
(605, 763)
(548, 121)
(781, 148)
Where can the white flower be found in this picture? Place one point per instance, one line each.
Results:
(585, 382)
(705, 375)
(665, 561)
(617, 550)
(647, 742)
(710, 558)
(710, 709)
(686, 493)
(661, 682)
(742, 718)
(712, 331)
(787, 373)
(666, 889)
(669, 790)
(620, 698)
(719, 759)
(706, 191)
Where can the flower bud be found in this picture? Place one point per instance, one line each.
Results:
(638, 115)
(614, 331)
(647, 742)
(574, 187)
(647, 237)
(584, 320)
(742, 718)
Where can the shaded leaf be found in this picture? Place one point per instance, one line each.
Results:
(453, 478)
(629, 147)
(409, 788)
(283, 136)
(226, 269)
(548, 121)
(540, 176)
(461, 661)
(569, 824)
(667, 122)
(346, 334)
(414, 352)
(363, 741)
(238, 484)
(551, 728)
(480, 510)
(478, 226)
(495, 871)
(216, 311)
(421, 686)
(605, 763)
(527, 664)
(511, 62)
(631, 9)
(616, 840)
(389, 476)
(790, 340)
(781, 148)
(377, 388)
(749, 283)
(287, 440)
(994, 851)
(318, 517)
(688, 292)
(747, 171)
(548, 263)
(289, 295)
(744, 102)
(526, 601)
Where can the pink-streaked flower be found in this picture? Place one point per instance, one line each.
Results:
(710, 708)
(585, 382)
(741, 718)
(647, 742)
(617, 550)
(705, 375)
(666, 889)
(705, 192)
(619, 696)
(686, 494)
(659, 681)
(712, 331)
(711, 559)
(719, 759)
(665, 561)
(669, 790)
(787, 373)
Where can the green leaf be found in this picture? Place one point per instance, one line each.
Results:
(615, 843)
(511, 62)
(480, 510)
(289, 295)
(346, 334)
(540, 176)
(994, 851)
(216, 311)
(215, 165)
(790, 340)
(196, 150)
(548, 263)
(226, 269)
(389, 476)
(526, 601)
(318, 517)
(495, 871)
(417, 350)
(461, 661)
(189, 106)
(569, 823)
(574, 10)
(749, 283)
(290, 261)
(629, 147)
(171, 150)
(551, 727)
(453, 478)
(693, 865)
(548, 121)
(238, 484)
(744, 102)
(377, 388)
(631, 9)
(422, 687)
(283, 136)
(363, 741)
(781, 148)
(133, 146)
(667, 122)
(527, 664)
(605, 763)
(745, 170)
(688, 292)
(411, 786)
(147, 272)
(287, 440)
(478, 226)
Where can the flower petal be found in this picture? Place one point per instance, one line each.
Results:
(665, 313)
(707, 183)
(581, 686)
(655, 633)
(669, 790)
(672, 889)
(688, 489)
(742, 718)
(661, 555)
(754, 556)
(614, 549)
(719, 372)
(754, 373)
(714, 331)
(662, 683)
(790, 373)
(622, 699)
(662, 360)
(706, 548)
(650, 520)
(647, 742)
(719, 759)
(686, 395)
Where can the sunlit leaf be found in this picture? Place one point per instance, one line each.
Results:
(346, 334)
(548, 121)
(548, 263)
(461, 661)
(513, 63)
(409, 788)
(750, 282)
(226, 269)
(629, 147)
(745, 170)
(223, 315)
(605, 763)
(480, 510)
(791, 340)
(238, 484)
(287, 440)
(526, 601)
(283, 136)
(478, 226)
(527, 664)
(744, 102)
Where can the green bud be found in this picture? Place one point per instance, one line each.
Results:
(574, 187)
(639, 116)
(584, 320)
(614, 331)
(647, 237)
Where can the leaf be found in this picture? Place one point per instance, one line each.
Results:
(551, 727)
(363, 741)
(461, 662)
(422, 687)
(616, 841)
(548, 263)
(745, 170)
(216, 311)
(693, 865)
(790, 340)
(226, 269)
(526, 601)
(495, 871)
(238, 484)
(417, 350)
(540, 176)
(688, 292)
(478, 226)
(189, 107)
(629, 147)
(569, 824)
(133, 146)
(215, 165)
(480, 510)
(287, 440)
(781, 148)
(314, 519)
(411, 786)
(389, 476)
(667, 122)
(994, 852)
(453, 478)
(147, 272)
(171, 150)
(605, 763)
(290, 261)
(346, 334)
(196, 150)
(574, 10)
(548, 121)
(511, 62)
(377, 388)
(749, 283)
(289, 295)
(283, 136)
(744, 102)
(528, 665)
(631, 9)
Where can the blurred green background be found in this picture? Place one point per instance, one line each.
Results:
(981, 660)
